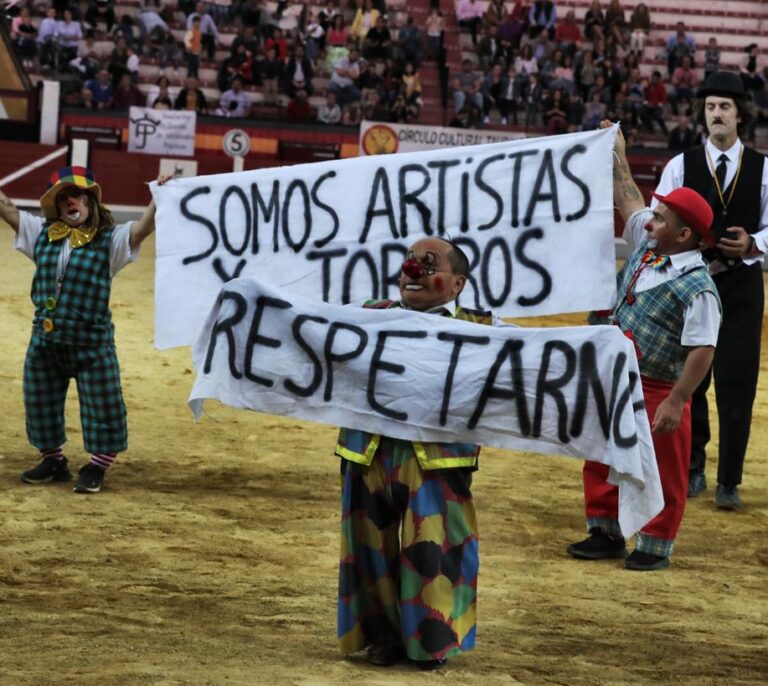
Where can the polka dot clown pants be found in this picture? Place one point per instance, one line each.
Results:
(409, 555)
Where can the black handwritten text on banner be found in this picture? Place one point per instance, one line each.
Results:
(573, 391)
(535, 218)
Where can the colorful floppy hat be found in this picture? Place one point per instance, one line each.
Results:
(65, 177)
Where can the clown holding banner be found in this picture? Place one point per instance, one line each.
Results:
(416, 383)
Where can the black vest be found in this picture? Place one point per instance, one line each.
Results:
(744, 207)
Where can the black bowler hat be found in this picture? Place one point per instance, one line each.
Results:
(726, 84)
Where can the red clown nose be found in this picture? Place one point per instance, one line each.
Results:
(413, 269)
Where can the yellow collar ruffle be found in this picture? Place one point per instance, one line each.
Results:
(77, 237)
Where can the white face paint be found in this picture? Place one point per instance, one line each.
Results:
(436, 284)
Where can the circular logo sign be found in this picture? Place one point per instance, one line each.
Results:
(236, 143)
(380, 140)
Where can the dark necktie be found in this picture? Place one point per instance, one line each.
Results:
(722, 168)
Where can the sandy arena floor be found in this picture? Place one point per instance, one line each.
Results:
(210, 558)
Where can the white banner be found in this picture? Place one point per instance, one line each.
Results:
(573, 391)
(379, 138)
(161, 132)
(535, 218)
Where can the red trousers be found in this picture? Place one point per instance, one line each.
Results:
(673, 455)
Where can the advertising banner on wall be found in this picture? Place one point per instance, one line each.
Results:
(161, 132)
(379, 138)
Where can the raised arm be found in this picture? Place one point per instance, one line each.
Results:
(9, 212)
(626, 194)
(144, 227)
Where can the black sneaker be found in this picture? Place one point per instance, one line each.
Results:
(697, 484)
(727, 497)
(645, 562)
(431, 665)
(91, 479)
(385, 653)
(598, 546)
(46, 471)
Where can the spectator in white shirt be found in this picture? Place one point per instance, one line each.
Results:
(69, 34)
(329, 112)
(150, 20)
(314, 35)
(87, 60)
(46, 38)
(132, 64)
(346, 72)
(234, 103)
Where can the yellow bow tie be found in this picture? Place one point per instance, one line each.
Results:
(77, 237)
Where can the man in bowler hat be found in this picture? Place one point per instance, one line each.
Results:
(734, 180)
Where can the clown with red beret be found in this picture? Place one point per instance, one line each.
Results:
(668, 306)
(77, 248)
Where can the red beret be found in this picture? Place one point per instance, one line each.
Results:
(693, 211)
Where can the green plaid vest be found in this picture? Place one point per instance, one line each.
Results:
(361, 446)
(656, 317)
(80, 315)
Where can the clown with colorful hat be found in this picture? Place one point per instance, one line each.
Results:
(77, 248)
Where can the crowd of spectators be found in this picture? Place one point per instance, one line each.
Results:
(535, 66)
(366, 62)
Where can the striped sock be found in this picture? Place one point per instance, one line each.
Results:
(103, 460)
(56, 454)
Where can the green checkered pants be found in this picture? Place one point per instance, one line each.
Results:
(47, 370)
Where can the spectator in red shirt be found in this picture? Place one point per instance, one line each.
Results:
(568, 34)
(299, 110)
(277, 42)
(653, 105)
(127, 94)
(684, 80)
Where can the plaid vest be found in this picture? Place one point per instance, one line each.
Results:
(361, 446)
(80, 314)
(656, 317)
